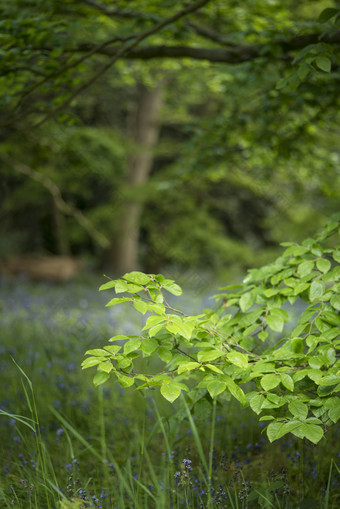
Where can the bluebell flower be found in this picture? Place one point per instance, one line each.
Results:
(187, 464)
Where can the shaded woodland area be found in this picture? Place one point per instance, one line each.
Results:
(157, 134)
(162, 142)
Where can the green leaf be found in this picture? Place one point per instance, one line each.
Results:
(281, 84)
(305, 268)
(107, 286)
(132, 288)
(92, 361)
(124, 362)
(273, 430)
(216, 387)
(156, 308)
(323, 265)
(324, 63)
(327, 14)
(131, 345)
(106, 366)
(118, 300)
(121, 286)
(164, 354)
(137, 277)
(246, 301)
(148, 346)
(154, 330)
(256, 403)
(273, 401)
(250, 318)
(316, 362)
(316, 290)
(100, 377)
(295, 251)
(312, 432)
(275, 321)
(97, 352)
(331, 317)
(335, 301)
(237, 358)
(334, 412)
(213, 368)
(303, 71)
(287, 381)
(263, 335)
(153, 320)
(112, 349)
(300, 288)
(125, 381)
(185, 329)
(172, 287)
(289, 427)
(187, 366)
(209, 355)
(120, 337)
(266, 418)
(269, 382)
(172, 327)
(264, 367)
(297, 345)
(140, 306)
(171, 391)
(298, 409)
(329, 380)
(234, 389)
(315, 374)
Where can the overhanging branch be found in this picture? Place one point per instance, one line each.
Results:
(125, 50)
(60, 203)
(232, 55)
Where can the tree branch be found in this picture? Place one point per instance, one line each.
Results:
(207, 33)
(233, 55)
(124, 50)
(59, 201)
(120, 13)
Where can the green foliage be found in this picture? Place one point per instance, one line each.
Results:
(101, 428)
(291, 380)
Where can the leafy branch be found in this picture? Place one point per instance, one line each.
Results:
(294, 383)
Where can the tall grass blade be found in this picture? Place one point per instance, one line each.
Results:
(328, 490)
(196, 436)
(20, 418)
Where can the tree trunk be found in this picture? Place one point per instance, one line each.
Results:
(62, 244)
(145, 129)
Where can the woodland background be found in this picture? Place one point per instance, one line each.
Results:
(188, 138)
(205, 144)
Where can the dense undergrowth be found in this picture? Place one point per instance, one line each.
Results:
(66, 444)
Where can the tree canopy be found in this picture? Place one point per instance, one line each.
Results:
(53, 51)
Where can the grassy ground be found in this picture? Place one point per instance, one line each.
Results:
(65, 444)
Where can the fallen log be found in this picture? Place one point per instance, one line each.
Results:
(39, 267)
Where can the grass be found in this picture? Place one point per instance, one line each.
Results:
(66, 444)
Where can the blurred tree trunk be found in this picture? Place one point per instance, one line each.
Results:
(62, 245)
(144, 127)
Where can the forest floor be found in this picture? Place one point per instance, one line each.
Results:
(66, 444)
